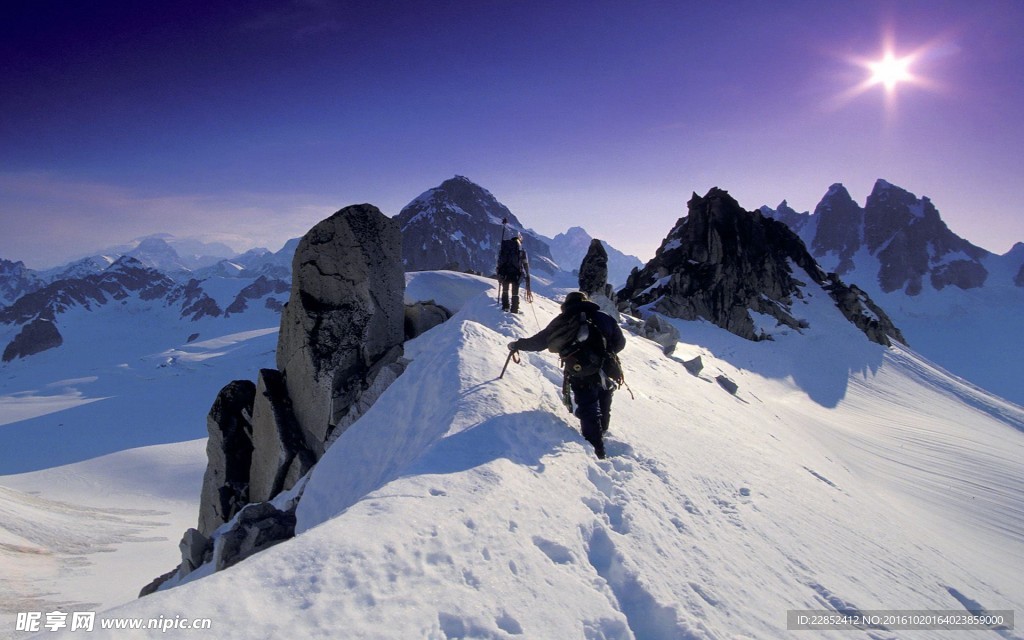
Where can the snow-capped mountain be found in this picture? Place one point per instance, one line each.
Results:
(169, 253)
(841, 476)
(569, 248)
(16, 280)
(36, 321)
(458, 226)
(79, 268)
(955, 302)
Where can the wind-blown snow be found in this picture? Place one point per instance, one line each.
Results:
(841, 474)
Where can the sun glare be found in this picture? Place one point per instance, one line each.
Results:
(890, 71)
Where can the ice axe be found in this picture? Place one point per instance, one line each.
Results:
(513, 356)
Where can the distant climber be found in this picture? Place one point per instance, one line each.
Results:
(587, 341)
(513, 265)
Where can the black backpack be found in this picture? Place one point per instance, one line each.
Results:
(581, 346)
(510, 259)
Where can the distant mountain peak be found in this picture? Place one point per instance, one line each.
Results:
(570, 247)
(904, 232)
(458, 225)
(837, 191)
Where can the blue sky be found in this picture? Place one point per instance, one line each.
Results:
(249, 122)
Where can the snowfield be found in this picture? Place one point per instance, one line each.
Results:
(840, 476)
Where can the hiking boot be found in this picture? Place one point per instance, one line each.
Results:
(515, 304)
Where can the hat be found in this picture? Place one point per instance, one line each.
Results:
(574, 298)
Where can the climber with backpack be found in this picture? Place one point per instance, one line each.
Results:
(587, 341)
(513, 264)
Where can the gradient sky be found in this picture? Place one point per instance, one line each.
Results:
(248, 122)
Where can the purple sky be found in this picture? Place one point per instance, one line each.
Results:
(248, 122)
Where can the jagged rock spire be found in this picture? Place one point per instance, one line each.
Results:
(721, 263)
(593, 277)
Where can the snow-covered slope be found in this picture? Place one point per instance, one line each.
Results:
(841, 475)
(126, 376)
(77, 537)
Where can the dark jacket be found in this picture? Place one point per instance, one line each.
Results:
(606, 324)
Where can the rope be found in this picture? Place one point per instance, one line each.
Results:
(536, 320)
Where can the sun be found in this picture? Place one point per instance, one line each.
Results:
(890, 71)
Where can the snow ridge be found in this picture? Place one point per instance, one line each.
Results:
(841, 475)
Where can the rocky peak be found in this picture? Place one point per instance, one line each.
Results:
(339, 348)
(81, 268)
(840, 227)
(905, 233)
(721, 263)
(458, 226)
(788, 216)
(889, 210)
(344, 319)
(912, 242)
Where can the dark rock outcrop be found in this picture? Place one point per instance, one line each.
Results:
(964, 274)
(229, 455)
(721, 263)
(339, 348)
(344, 320)
(421, 317)
(727, 384)
(258, 527)
(694, 366)
(35, 337)
(255, 528)
(862, 311)
(593, 278)
(280, 456)
(195, 302)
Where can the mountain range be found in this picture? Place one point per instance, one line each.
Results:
(956, 303)
(456, 225)
(790, 440)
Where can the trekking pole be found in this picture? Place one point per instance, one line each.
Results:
(512, 356)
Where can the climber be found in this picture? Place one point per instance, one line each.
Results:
(587, 341)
